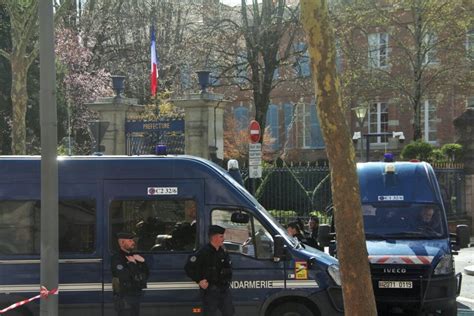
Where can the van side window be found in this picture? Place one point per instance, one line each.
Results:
(160, 225)
(250, 239)
(20, 227)
(77, 226)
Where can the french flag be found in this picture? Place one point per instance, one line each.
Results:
(154, 64)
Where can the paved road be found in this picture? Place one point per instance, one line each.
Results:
(466, 298)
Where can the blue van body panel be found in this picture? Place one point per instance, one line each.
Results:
(310, 252)
(85, 278)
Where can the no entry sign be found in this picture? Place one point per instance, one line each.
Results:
(254, 130)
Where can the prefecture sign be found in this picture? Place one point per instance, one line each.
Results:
(254, 130)
(255, 160)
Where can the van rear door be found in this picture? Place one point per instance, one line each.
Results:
(163, 215)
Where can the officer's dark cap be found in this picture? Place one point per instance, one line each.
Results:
(216, 229)
(125, 235)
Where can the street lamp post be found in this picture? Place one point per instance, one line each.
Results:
(399, 135)
(360, 112)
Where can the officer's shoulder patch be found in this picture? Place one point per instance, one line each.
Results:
(193, 259)
(119, 267)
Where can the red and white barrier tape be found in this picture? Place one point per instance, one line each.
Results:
(44, 293)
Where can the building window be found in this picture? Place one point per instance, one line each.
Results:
(378, 50)
(289, 123)
(470, 102)
(428, 121)
(429, 43)
(241, 68)
(470, 43)
(272, 123)
(378, 121)
(186, 82)
(302, 65)
(241, 115)
(307, 127)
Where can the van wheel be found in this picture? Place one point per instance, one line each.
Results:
(291, 309)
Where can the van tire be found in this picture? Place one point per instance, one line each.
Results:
(291, 309)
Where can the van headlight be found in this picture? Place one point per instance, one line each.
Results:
(444, 266)
(334, 273)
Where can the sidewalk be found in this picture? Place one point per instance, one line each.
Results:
(469, 270)
(464, 263)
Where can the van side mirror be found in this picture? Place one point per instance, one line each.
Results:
(279, 246)
(324, 235)
(239, 218)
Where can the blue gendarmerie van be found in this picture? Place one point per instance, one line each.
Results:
(159, 198)
(408, 242)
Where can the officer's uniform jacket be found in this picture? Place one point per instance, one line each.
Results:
(212, 265)
(128, 278)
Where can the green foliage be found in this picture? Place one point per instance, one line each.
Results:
(426, 152)
(453, 152)
(283, 216)
(417, 150)
(437, 156)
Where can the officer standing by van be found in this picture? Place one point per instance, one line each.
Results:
(129, 276)
(211, 268)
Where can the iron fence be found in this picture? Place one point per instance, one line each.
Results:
(292, 192)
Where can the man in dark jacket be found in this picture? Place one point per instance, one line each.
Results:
(129, 276)
(312, 238)
(211, 268)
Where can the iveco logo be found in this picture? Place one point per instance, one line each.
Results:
(394, 270)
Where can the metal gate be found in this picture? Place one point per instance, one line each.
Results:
(143, 136)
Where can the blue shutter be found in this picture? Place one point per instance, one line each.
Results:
(272, 121)
(316, 135)
(241, 115)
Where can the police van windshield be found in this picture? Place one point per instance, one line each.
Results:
(403, 221)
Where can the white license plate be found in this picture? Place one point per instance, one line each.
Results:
(395, 284)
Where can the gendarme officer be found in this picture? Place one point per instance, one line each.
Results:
(129, 276)
(211, 268)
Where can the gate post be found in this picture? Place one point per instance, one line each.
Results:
(114, 110)
(204, 124)
(464, 125)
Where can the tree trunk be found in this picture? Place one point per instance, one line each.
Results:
(351, 248)
(19, 97)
